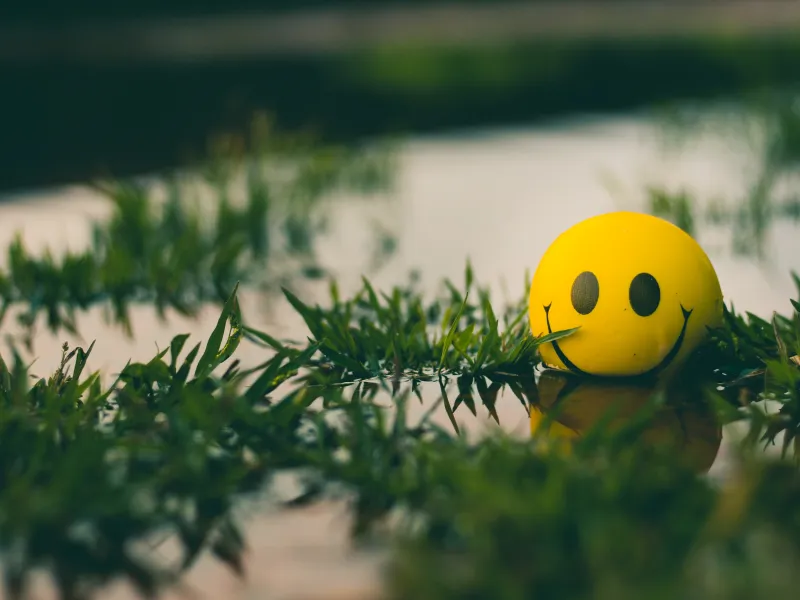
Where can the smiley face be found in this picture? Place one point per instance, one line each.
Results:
(641, 291)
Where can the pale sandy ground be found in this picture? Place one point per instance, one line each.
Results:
(499, 198)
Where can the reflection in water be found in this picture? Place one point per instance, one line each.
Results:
(569, 406)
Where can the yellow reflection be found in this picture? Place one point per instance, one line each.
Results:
(574, 405)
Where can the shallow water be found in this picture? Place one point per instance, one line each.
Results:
(499, 198)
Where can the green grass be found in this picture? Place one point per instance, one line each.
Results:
(87, 467)
(93, 467)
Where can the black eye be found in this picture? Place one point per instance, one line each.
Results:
(585, 292)
(644, 294)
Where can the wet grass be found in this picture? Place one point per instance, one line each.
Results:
(92, 469)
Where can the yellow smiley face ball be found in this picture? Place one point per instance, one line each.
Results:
(641, 290)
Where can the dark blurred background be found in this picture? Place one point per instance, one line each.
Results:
(90, 88)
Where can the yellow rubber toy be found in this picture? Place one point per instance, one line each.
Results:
(641, 290)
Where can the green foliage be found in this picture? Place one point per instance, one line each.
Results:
(87, 470)
(172, 254)
(616, 519)
(399, 338)
(509, 523)
(92, 472)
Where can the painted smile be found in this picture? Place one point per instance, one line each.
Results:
(668, 358)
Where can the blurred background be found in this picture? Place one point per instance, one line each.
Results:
(508, 122)
(117, 88)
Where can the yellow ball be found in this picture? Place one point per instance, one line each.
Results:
(641, 290)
